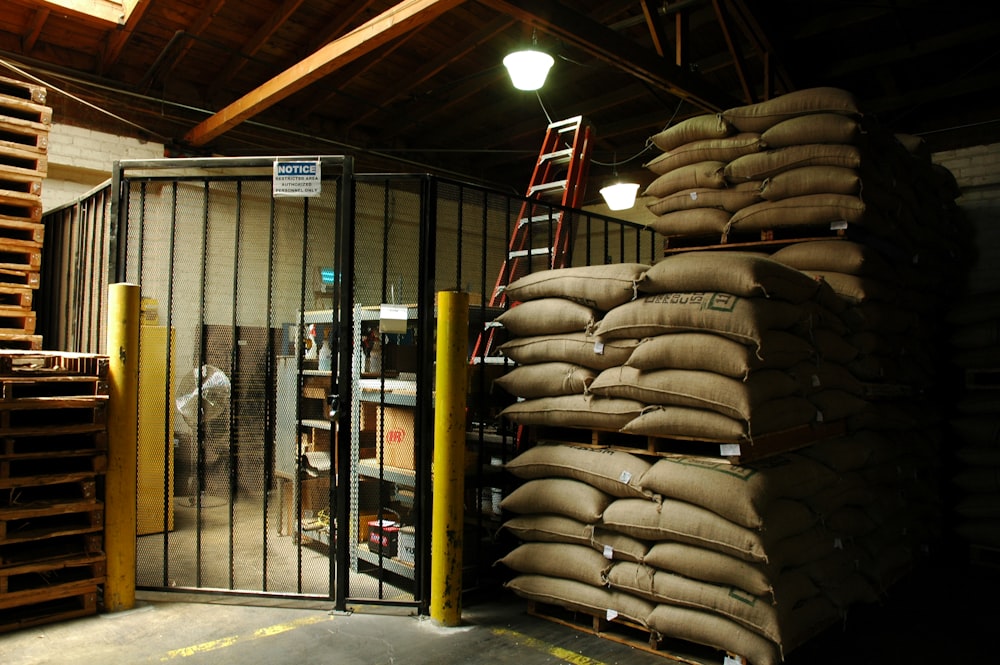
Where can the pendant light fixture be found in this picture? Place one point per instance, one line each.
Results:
(619, 195)
(528, 67)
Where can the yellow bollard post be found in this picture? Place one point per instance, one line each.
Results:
(120, 492)
(449, 457)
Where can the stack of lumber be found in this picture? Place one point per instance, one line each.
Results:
(53, 433)
(24, 135)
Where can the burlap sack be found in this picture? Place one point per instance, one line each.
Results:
(715, 631)
(813, 128)
(831, 346)
(549, 529)
(814, 376)
(599, 286)
(580, 411)
(549, 379)
(760, 166)
(695, 128)
(684, 522)
(616, 472)
(857, 288)
(843, 256)
(695, 389)
(742, 319)
(761, 116)
(618, 546)
(574, 348)
(752, 612)
(695, 222)
(814, 210)
(707, 150)
(834, 405)
(807, 180)
(714, 353)
(582, 597)
(740, 493)
(558, 496)
(730, 199)
(711, 426)
(547, 316)
(702, 175)
(739, 273)
(571, 562)
(708, 566)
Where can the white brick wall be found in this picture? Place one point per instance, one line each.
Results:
(80, 159)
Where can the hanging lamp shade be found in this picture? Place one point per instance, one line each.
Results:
(620, 195)
(528, 68)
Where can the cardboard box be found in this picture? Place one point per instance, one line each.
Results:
(407, 544)
(395, 439)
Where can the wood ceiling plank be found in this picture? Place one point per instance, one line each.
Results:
(377, 32)
(118, 38)
(251, 46)
(34, 29)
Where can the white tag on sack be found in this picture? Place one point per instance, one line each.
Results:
(838, 225)
(599, 348)
(815, 381)
(625, 477)
(733, 660)
(729, 449)
(694, 196)
(609, 552)
(611, 615)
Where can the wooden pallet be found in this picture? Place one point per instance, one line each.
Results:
(15, 277)
(61, 545)
(20, 206)
(15, 257)
(17, 321)
(35, 364)
(53, 606)
(23, 582)
(48, 468)
(16, 160)
(30, 92)
(734, 452)
(19, 183)
(46, 519)
(626, 632)
(16, 296)
(20, 342)
(18, 132)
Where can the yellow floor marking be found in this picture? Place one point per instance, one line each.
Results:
(560, 653)
(224, 642)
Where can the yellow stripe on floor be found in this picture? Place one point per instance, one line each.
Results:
(558, 652)
(224, 642)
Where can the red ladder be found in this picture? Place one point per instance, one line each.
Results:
(559, 181)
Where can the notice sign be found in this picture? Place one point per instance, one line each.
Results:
(296, 177)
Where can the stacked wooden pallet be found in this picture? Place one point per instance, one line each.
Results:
(53, 458)
(24, 135)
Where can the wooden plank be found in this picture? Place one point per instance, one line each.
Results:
(16, 206)
(23, 162)
(53, 363)
(38, 580)
(17, 321)
(30, 92)
(372, 35)
(63, 545)
(27, 472)
(16, 296)
(65, 444)
(24, 134)
(69, 603)
(15, 257)
(20, 342)
(45, 519)
(16, 277)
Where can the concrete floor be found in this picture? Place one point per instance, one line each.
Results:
(942, 615)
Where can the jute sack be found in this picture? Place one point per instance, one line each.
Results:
(831, 346)
(684, 522)
(762, 116)
(814, 376)
(760, 166)
(695, 128)
(834, 404)
(821, 210)
(739, 273)
(740, 493)
(618, 546)
(714, 631)
(549, 379)
(801, 548)
(574, 348)
(714, 353)
(558, 496)
(580, 411)
(695, 388)
(695, 222)
(572, 562)
(730, 200)
(715, 567)
(845, 453)
(843, 256)
(549, 529)
(813, 128)
(547, 316)
(856, 288)
(701, 175)
(742, 319)
(599, 286)
(581, 597)
(616, 472)
(659, 586)
(707, 150)
(811, 180)
(711, 426)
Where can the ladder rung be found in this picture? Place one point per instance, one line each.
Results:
(556, 156)
(492, 360)
(521, 253)
(548, 187)
(539, 218)
(567, 125)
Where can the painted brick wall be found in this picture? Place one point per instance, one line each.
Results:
(80, 159)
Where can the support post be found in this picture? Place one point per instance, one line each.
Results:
(451, 378)
(120, 492)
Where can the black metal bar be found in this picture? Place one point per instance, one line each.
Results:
(168, 407)
(200, 428)
(344, 293)
(269, 404)
(297, 481)
(234, 379)
(119, 225)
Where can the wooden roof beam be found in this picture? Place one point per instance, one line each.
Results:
(377, 32)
